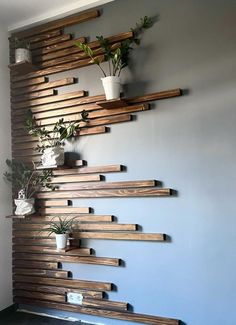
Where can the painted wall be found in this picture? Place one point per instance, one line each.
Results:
(5, 193)
(189, 144)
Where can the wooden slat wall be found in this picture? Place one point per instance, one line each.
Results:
(38, 278)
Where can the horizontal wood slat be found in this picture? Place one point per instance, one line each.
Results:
(30, 82)
(63, 210)
(51, 203)
(139, 192)
(44, 86)
(44, 273)
(35, 264)
(50, 41)
(120, 236)
(70, 259)
(67, 283)
(75, 178)
(39, 295)
(51, 250)
(89, 170)
(87, 294)
(35, 95)
(39, 38)
(57, 24)
(126, 316)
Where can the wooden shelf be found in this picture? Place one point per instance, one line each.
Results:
(16, 217)
(23, 67)
(113, 103)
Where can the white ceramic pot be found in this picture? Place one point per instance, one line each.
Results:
(53, 157)
(24, 206)
(22, 54)
(61, 240)
(112, 87)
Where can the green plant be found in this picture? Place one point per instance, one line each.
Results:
(21, 44)
(64, 226)
(26, 179)
(56, 136)
(117, 56)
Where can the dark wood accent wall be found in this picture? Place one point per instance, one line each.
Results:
(38, 278)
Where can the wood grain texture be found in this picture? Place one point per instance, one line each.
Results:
(67, 283)
(50, 41)
(63, 210)
(126, 316)
(89, 170)
(38, 38)
(121, 236)
(39, 295)
(40, 272)
(56, 203)
(35, 95)
(81, 218)
(51, 250)
(70, 259)
(139, 192)
(57, 24)
(75, 178)
(27, 83)
(35, 264)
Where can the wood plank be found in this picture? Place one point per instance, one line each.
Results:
(30, 82)
(126, 316)
(40, 241)
(70, 259)
(57, 24)
(42, 273)
(120, 236)
(51, 250)
(38, 38)
(35, 264)
(22, 68)
(113, 103)
(67, 283)
(50, 41)
(155, 96)
(74, 49)
(75, 178)
(39, 295)
(139, 192)
(107, 185)
(56, 48)
(87, 294)
(44, 86)
(35, 95)
(61, 203)
(89, 170)
(63, 210)
(53, 99)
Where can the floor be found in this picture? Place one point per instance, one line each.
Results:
(21, 318)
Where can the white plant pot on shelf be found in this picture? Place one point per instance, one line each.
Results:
(22, 54)
(53, 157)
(24, 206)
(61, 240)
(112, 87)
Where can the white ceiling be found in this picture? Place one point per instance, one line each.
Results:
(17, 14)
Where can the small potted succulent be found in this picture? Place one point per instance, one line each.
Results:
(117, 57)
(26, 182)
(53, 139)
(61, 229)
(22, 51)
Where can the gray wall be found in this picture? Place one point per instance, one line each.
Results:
(189, 144)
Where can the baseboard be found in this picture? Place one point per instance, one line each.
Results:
(9, 310)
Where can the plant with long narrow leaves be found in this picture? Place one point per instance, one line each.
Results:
(117, 57)
(63, 226)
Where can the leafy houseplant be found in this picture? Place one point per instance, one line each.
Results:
(26, 182)
(53, 139)
(61, 230)
(22, 51)
(117, 56)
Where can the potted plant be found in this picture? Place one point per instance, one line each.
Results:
(61, 229)
(22, 51)
(26, 182)
(117, 57)
(53, 139)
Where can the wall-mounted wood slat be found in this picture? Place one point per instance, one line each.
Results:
(53, 99)
(51, 41)
(35, 95)
(30, 82)
(87, 294)
(39, 295)
(44, 86)
(126, 316)
(120, 236)
(51, 250)
(75, 178)
(40, 272)
(36, 265)
(70, 259)
(72, 49)
(40, 241)
(89, 170)
(51, 203)
(139, 192)
(57, 24)
(63, 210)
(39, 38)
(67, 283)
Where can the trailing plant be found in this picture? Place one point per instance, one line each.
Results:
(26, 179)
(64, 226)
(60, 132)
(21, 44)
(117, 56)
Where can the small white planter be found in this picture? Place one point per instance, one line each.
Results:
(53, 157)
(24, 206)
(61, 240)
(112, 87)
(22, 54)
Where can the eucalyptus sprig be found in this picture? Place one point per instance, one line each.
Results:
(118, 57)
(60, 132)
